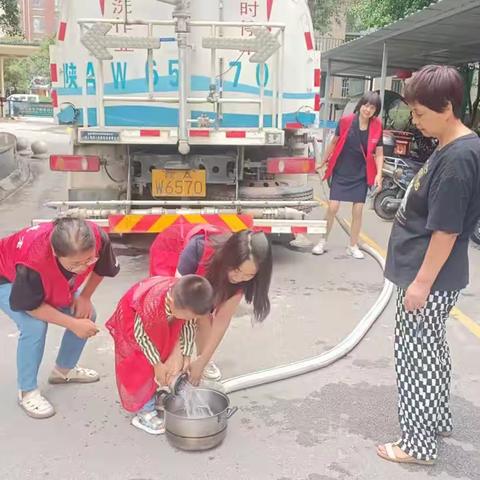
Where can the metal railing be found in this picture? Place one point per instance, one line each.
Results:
(19, 108)
(216, 101)
(322, 44)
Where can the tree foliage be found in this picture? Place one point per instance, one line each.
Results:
(10, 18)
(20, 72)
(369, 14)
(323, 11)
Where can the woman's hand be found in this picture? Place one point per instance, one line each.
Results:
(161, 374)
(186, 364)
(196, 371)
(378, 182)
(319, 168)
(416, 296)
(83, 328)
(82, 307)
(174, 365)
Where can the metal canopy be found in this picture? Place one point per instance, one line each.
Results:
(447, 32)
(17, 50)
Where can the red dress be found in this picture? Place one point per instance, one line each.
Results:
(135, 375)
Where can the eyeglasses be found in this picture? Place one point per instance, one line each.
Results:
(77, 265)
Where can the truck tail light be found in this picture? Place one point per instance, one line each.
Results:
(75, 163)
(291, 165)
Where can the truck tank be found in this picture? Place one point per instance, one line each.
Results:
(176, 103)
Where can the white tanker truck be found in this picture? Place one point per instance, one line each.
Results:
(198, 110)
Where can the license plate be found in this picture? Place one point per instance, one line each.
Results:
(179, 183)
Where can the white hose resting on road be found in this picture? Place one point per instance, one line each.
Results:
(294, 369)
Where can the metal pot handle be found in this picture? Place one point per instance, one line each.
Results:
(231, 412)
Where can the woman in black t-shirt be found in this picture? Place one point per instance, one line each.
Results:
(428, 262)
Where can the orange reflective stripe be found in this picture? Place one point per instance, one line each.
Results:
(163, 222)
(233, 222)
(194, 218)
(158, 223)
(126, 223)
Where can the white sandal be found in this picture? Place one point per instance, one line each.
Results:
(392, 457)
(35, 404)
(75, 375)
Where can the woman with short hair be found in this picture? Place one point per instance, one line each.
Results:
(428, 262)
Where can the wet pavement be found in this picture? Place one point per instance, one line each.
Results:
(320, 426)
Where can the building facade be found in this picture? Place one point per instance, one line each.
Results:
(39, 18)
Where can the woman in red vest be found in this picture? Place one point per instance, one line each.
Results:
(146, 328)
(41, 271)
(354, 161)
(237, 265)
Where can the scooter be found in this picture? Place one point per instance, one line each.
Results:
(399, 168)
(397, 175)
(475, 236)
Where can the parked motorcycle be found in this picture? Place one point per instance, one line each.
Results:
(399, 168)
(475, 236)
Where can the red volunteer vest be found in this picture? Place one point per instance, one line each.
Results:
(135, 376)
(32, 247)
(374, 135)
(166, 249)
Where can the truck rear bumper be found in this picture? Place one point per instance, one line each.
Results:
(138, 223)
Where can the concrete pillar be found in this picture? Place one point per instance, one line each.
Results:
(384, 77)
(326, 104)
(2, 83)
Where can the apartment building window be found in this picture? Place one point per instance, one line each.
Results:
(37, 3)
(397, 85)
(345, 87)
(38, 25)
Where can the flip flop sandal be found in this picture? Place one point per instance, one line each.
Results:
(391, 457)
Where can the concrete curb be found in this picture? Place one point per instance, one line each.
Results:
(19, 177)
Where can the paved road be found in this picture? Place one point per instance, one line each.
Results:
(321, 426)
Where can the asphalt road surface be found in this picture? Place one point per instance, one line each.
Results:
(319, 426)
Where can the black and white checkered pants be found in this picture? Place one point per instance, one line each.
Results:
(422, 365)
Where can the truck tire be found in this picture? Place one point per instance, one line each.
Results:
(279, 191)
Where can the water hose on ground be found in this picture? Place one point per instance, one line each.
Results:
(290, 370)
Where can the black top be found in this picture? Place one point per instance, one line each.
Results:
(443, 196)
(27, 289)
(191, 255)
(351, 161)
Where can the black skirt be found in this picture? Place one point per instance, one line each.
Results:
(348, 189)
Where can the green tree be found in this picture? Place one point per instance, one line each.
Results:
(20, 72)
(10, 18)
(369, 14)
(323, 11)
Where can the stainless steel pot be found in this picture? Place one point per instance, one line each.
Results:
(198, 433)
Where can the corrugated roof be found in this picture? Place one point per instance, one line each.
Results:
(446, 32)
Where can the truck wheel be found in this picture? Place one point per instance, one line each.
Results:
(279, 192)
(378, 204)
(271, 191)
